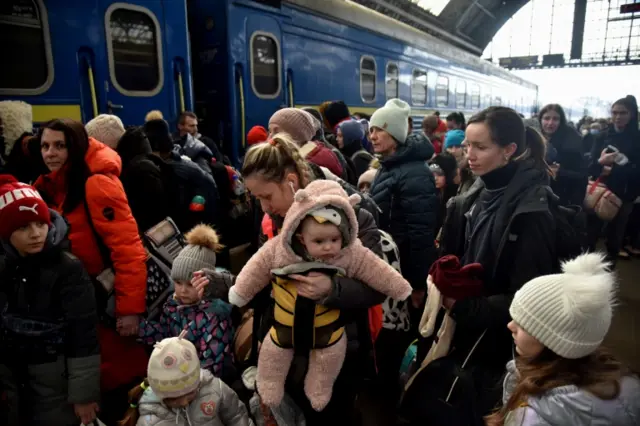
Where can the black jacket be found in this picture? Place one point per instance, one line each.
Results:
(624, 181)
(48, 334)
(570, 183)
(144, 178)
(523, 247)
(405, 192)
(191, 182)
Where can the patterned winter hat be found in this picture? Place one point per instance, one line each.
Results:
(174, 368)
(106, 128)
(20, 204)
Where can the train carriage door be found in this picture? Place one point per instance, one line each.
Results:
(136, 77)
(266, 91)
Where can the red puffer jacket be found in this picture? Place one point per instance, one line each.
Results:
(122, 359)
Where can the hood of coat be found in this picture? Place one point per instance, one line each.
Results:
(56, 238)
(570, 405)
(416, 148)
(317, 195)
(132, 144)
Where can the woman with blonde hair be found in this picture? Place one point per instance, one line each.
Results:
(273, 172)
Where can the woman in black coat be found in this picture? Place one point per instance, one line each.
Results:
(619, 170)
(570, 181)
(499, 222)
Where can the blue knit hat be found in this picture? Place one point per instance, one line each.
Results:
(453, 138)
(352, 132)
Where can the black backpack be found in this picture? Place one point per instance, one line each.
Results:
(571, 228)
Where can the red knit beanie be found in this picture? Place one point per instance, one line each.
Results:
(20, 204)
(256, 135)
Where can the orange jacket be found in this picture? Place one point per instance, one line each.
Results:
(113, 222)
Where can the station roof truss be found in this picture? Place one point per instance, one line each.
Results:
(609, 37)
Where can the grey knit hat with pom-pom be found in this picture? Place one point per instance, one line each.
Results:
(200, 253)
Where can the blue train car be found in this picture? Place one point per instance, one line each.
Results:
(235, 62)
(81, 58)
(251, 58)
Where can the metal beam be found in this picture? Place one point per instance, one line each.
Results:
(442, 33)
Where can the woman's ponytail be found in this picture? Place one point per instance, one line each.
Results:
(135, 394)
(536, 149)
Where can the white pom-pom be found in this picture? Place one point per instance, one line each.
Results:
(354, 199)
(586, 264)
(301, 195)
(593, 292)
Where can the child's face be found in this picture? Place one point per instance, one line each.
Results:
(186, 293)
(322, 240)
(30, 239)
(364, 188)
(526, 345)
(181, 401)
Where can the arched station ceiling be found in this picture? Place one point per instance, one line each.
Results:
(469, 24)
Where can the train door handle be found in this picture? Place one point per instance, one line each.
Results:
(113, 106)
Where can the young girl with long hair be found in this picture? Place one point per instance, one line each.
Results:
(562, 376)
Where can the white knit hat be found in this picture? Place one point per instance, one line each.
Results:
(367, 177)
(174, 368)
(569, 313)
(393, 118)
(17, 118)
(106, 128)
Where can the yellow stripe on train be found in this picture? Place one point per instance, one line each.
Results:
(44, 113)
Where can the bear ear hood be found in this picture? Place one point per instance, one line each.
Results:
(323, 197)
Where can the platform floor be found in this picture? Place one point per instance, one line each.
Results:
(624, 335)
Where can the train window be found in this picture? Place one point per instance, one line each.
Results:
(265, 65)
(24, 26)
(419, 87)
(135, 52)
(461, 94)
(475, 96)
(368, 79)
(392, 81)
(442, 91)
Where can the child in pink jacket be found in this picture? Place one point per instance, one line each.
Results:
(319, 234)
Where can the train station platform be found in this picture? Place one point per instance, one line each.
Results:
(624, 335)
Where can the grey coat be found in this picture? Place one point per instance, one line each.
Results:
(227, 410)
(572, 406)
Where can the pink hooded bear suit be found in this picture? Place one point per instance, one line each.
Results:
(277, 257)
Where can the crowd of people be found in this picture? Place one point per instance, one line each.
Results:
(445, 273)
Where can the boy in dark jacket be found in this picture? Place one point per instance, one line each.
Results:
(50, 359)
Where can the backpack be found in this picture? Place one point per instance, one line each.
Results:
(571, 229)
(239, 197)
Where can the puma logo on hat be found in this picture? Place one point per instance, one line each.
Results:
(28, 209)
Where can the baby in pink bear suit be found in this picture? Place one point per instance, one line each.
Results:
(319, 230)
